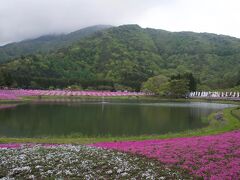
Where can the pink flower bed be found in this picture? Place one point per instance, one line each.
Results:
(210, 157)
(10, 146)
(17, 94)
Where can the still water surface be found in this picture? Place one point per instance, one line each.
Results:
(103, 118)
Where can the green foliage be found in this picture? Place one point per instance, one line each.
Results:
(127, 55)
(46, 44)
(74, 87)
(236, 112)
(234, 89)
(189, 78)
(51, 88)
(34, 85)
(120, 87)
(178, 88)
(157, 84)
(6, 79)
(105, 88)
(202, 87)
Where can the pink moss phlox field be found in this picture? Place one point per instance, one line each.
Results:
(211, 157)
(10, 146)
(17, 94)
(20, 145)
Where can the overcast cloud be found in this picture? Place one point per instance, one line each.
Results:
(24, 19)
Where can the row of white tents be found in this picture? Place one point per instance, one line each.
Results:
(215, 94)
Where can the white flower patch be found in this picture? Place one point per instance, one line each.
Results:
(79, 162)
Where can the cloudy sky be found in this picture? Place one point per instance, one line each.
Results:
(24, 19)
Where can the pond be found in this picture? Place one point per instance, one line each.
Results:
(111, 118)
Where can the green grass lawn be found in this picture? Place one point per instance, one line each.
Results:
(236, 112)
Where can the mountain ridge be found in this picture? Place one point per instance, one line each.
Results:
(46, 43)
(128, 55)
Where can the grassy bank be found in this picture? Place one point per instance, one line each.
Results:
(236, 113)
(219, 122)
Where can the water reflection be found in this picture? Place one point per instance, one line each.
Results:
(102, 118)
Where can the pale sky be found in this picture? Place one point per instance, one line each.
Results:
(24, 19)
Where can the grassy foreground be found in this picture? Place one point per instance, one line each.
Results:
(219, 122)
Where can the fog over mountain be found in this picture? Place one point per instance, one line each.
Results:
(26, 19)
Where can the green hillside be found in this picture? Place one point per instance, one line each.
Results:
(47, 43)
(128, 55)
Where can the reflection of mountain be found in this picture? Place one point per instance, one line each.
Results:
(172, 119)
(91, 120)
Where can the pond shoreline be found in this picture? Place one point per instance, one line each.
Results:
(229, 122)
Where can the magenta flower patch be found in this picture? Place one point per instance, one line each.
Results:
(17, 94)
(10, 146)
(210, 157)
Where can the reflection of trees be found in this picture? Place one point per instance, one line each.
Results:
(156, 119)
(160, 119)
(90, 120)
(123, 119)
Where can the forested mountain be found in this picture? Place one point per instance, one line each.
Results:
(128, 55)
(46, 43)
